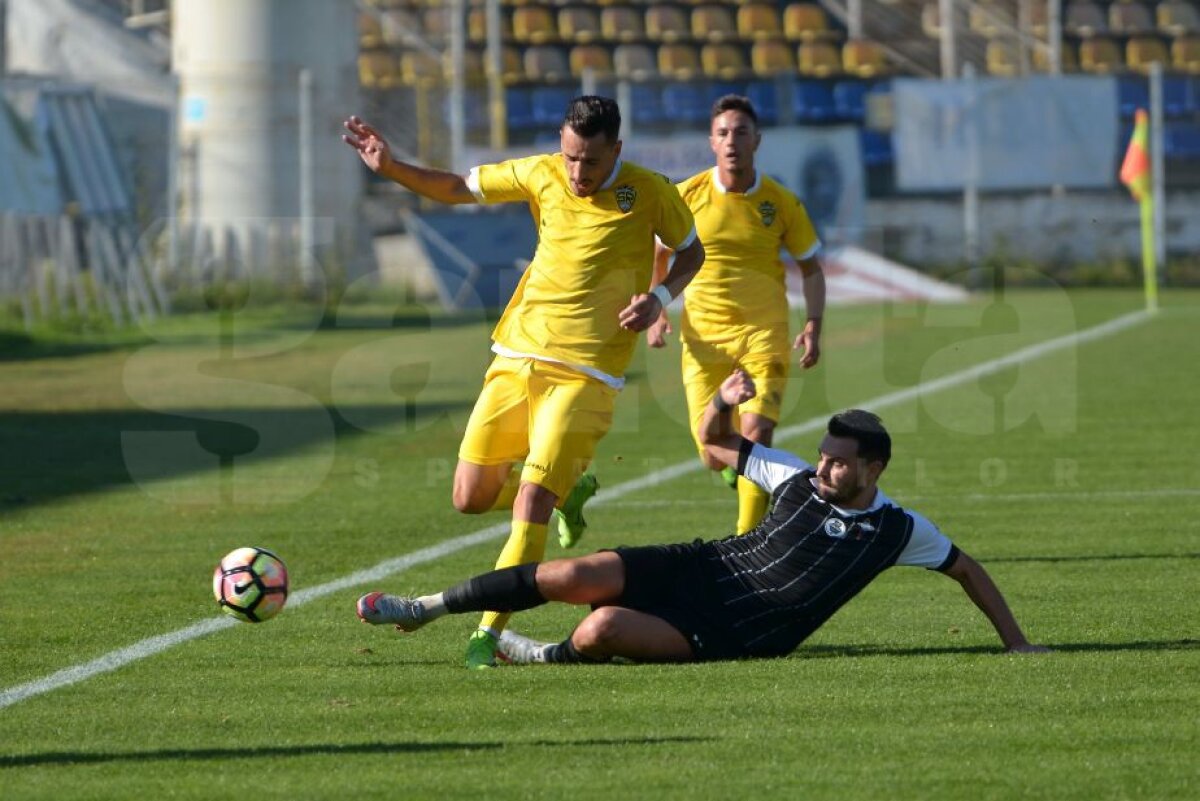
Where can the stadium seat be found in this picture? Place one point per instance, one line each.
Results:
(931, 19)
(396, 25)
(770, 58)
(863, 58)
(764, 95)
(1177, 17)
(667, 24)
(879, 111)
(518, 108)
(1099, 55)
(848, 100)
(1181, 140)
(473, 66)
(590, 56)
(477, 26)
(512, 66)
(419, 69)
(1142, 51)
(578, 24)
(876, 147)
(1002, 58)
(1185, 54)
(678, 61)
(546, 63)
(1132, 94)
(621, 24)
(818, 59)
(533, 25)
(377, 69)
(550, 104)
(757, 21)
(370, 31)
(1068, 54)
(990, 19)
(1084, 18)
(685, 103)
(634, 61)
(713, 23)
(435, 25)
(1129, 19)
(812, 101)
(722, 60)
(804, 22)
(1039, 20)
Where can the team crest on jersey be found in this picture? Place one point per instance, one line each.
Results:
(766, 210)
(835, 527)
(626, 197)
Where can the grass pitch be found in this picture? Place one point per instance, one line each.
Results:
(130, 465)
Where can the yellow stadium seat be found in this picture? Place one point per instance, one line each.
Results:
(722, 60)
(1185, 54)
(621, 24)
(804, 22)
(770, 58)
(435, 25)
(579, 24)
(1100, 55)
(419, 69)
(370, 31)
(397, 25)
(1129, 19)
(818, 59)
(667, 24)
(1177, 17)
(931, 19)
(713, 23)
(377, 69)
(533, 25)
(758, 21)
(990, 19)
(863, 58)
(1002, 58)
(477, 26)
(1069, 59)
(590, 56)
(1142, 51)
(634, 61)
(678, 61)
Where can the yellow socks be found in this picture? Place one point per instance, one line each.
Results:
(752, 504)
(526, 543)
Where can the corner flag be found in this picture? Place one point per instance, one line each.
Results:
(1135, 174)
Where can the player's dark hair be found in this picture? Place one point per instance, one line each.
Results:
(734, 103)
(874, 442)
(590, 115)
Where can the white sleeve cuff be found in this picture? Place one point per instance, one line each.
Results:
(663, 294)
(473, 185)
(808, 254)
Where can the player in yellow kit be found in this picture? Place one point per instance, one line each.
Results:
(570, 329)
(736, 311)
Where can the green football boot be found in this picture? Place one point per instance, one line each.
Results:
(481, 651)
(571, 524)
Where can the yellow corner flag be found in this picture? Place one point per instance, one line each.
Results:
(1135, 174)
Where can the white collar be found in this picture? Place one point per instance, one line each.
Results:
(612, 176)
(879, 501)
(716, 179)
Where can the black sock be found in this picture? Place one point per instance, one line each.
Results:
(565, 652)
(509, 589)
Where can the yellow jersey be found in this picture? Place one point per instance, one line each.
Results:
(742, 280)
(594, 253)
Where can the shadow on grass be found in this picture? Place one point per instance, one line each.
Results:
(834, 651)
(331, 749)
(53, 455)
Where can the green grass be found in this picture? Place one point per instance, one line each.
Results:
(131, 463)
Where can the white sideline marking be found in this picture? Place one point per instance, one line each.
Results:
(154, 645)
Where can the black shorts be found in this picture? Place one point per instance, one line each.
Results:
(671, 582)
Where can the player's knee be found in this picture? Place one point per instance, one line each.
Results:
(599, 629)
(468, 501)
(711, 462)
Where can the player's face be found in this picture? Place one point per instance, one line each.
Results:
(589, 160)
(842, 477)
(734, 137)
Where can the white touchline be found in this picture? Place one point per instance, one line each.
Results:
(153, 645)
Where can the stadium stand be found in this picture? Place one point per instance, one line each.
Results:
(579, 24)
(758, 21)
(713, 23)
(804, 22)
(1177, 17)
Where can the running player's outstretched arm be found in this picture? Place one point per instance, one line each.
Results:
(980, 588)
(373, 149)
(717, 435)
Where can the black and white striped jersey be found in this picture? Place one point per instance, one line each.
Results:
(778, 583)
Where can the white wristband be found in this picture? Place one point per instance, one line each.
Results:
(663, 294)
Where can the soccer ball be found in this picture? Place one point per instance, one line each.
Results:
(251, 584)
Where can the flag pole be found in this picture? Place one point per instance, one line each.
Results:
(1149, 260)
(1136, 174)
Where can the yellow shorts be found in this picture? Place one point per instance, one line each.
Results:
(547, 415)
(709, 358)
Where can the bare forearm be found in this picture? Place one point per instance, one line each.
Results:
(439, 185)
(687, 263)
(814, 296)
(980, 588)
